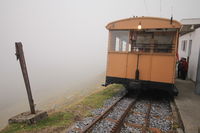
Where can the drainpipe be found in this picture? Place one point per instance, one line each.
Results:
(197, 91)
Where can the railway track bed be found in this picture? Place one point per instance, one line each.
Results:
(139, 113)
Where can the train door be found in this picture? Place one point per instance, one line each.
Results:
(152, 56)
(139, 61)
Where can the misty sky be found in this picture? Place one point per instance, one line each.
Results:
(65, 41)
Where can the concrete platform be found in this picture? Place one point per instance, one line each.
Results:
(189, 105)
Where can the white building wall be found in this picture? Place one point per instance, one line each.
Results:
(193, 61)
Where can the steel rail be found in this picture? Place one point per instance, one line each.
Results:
(144, 130)
(119, 123)
(87, 129)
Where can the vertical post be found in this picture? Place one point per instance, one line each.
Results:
(197, 91)
(137, 73)
(20, 55)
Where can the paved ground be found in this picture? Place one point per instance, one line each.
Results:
(189, 105)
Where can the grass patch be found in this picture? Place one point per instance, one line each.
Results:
(57, 119)
(70, 114)
(96, 100)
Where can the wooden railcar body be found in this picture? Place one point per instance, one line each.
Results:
(144, 57)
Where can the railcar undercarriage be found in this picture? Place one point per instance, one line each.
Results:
(131, 84)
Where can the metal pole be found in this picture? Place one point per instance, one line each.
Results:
(137, 73)
(20, 55)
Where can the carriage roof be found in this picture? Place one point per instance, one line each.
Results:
(146, 22)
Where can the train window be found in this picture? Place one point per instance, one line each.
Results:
(148, 41)
(119, 41)
(141, 41)
(117, 44)
(124, 46)
(163, 42)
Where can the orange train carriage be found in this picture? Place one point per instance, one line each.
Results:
(142, 53)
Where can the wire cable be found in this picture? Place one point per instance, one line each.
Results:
(160, 7)
(146, 8)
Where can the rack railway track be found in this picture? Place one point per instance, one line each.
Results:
(139, 113)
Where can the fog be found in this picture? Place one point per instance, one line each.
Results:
(65, 43)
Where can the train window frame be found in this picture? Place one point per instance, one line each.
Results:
(137, 46)
(116, 44)
(165, 47)
(152, 46)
